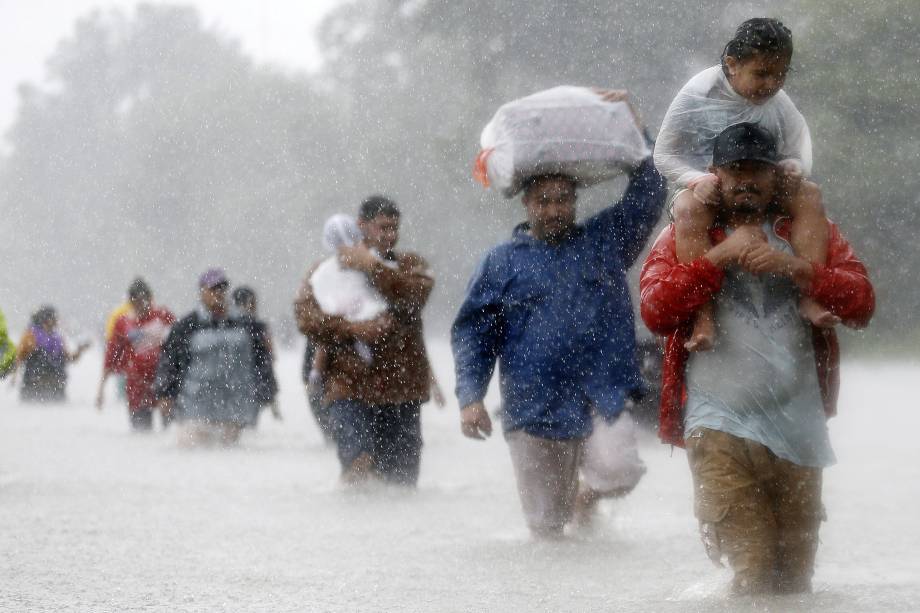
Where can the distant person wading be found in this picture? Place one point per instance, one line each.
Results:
(246, 306)
(214, 373)
(7, 349)
(133, 348)
(43, 358)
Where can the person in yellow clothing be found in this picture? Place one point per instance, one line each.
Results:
(122, 310)
(117, 313)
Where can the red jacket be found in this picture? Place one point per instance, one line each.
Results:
(671, 292)
(134, 349)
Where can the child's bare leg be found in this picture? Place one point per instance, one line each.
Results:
(692, 220)
(808, 235)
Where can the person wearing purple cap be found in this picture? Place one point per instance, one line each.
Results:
(215, 369)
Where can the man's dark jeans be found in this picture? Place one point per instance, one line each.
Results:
(390, 433)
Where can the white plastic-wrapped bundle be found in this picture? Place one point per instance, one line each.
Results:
(344, 291)
(565, 130)
(611, 460)
(704, 107)
(339, 290)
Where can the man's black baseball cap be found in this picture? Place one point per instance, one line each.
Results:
(744, 141)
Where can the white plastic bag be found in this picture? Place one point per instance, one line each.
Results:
(611, 461)
(565, 130)
(704, 107)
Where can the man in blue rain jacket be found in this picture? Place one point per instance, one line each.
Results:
(552, 306)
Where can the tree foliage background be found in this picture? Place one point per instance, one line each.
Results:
(158, 148)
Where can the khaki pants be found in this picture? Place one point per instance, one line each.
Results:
(760, 511)
(547, 479)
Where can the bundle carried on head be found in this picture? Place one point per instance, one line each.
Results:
(565, 130)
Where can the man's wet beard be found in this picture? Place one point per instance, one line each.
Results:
(746, 208)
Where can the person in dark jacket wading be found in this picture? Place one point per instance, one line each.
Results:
(552, 307)
(215, 370)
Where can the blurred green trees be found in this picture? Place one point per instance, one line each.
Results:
(859, 88)
(160, 148)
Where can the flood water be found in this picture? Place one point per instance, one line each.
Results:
(95, 518)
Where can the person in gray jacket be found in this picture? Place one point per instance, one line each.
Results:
(215, 370)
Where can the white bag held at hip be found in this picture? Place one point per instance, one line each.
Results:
(611, 461)
(565, 130)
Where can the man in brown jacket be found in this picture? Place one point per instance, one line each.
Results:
(375, 404)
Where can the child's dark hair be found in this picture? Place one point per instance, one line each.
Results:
(377, 205)
(759, 35)
(243, 295)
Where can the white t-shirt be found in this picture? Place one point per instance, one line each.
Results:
(760, 381)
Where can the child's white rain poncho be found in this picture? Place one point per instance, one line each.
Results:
(344, 291)
(565, 130)
(704, 107)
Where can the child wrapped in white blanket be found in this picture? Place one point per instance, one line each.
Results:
(343, 291)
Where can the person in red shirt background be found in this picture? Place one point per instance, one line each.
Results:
(134, 350)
